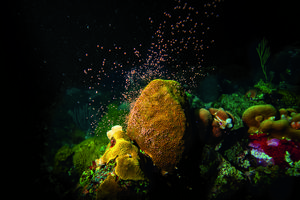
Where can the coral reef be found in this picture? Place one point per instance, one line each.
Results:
(117, 174)
(270, 139)
(158, 122)
(155, 154)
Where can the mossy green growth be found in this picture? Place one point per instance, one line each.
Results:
(265, 87)
(114, 116)
(265, 175)
(60, 159)
(289, 98)
(236, 104)
(88, 151)
(294, 169)
(228, 172)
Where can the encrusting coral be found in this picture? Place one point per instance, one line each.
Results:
(158, 122)
(86, 152)
(125, 153)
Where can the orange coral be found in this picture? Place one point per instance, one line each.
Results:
(295, 122)
(222, 120)
(203, 118)
(158, 122)
(215, 121)
(251, 94)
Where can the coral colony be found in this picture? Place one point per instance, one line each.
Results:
(158, 139)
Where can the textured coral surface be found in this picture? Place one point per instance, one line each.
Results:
(158, 123)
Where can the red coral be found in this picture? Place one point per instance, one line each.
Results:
(276, 152)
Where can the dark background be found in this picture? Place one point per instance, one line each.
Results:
(45, 42)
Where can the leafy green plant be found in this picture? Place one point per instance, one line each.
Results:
(264, 53)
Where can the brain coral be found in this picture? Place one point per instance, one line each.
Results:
(158, 123)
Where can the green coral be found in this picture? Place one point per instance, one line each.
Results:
(236, 104)
(228, 179)
(289, 98)
(265, 175)
(60, 159)
(87, 151)
(114, 116)
(86, 177)
(294, 169)
(227, 171)
(266, 88)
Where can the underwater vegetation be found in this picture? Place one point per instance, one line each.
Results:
(169, 146)
(79, 157)
(264, 53)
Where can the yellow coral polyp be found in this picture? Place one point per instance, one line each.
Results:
(128, 168)
(114, 129)
(121, 148)
(126, 155)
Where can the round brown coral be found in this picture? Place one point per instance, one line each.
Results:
(158, 123)
(280, 129)
(254, 115)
